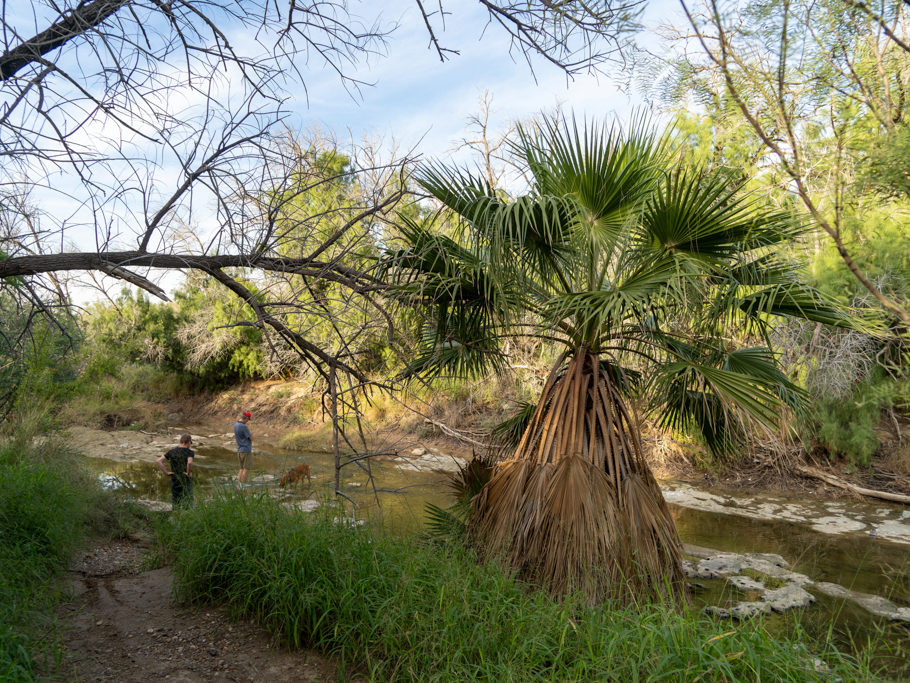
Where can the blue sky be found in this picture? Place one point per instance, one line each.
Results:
(417, 98)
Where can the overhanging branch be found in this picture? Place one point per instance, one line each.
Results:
(83, 18)
(36, 264)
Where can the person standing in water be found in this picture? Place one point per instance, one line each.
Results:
(180, 459)
(244, 439)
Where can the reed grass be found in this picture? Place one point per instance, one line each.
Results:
(392, 608)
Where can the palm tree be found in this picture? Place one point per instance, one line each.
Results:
(641, 272)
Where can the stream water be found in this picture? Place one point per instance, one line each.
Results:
(857, 558)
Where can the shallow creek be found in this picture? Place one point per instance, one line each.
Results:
(852, 558)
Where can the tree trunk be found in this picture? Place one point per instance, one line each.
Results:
(576, 508)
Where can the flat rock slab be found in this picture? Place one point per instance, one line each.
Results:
(745, 583)
(788, 597)
(303, 505)
(153, 505)
(712, 564)
(876, 604)
(125, 445)
(741, 610)
(429, 461)
(827, 517)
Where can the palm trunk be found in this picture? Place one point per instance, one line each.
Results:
(577, 508)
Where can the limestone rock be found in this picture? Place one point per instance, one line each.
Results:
(303, 505)
(788, 597)
(745, 583)
(153, 505)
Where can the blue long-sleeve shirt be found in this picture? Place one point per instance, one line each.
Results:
(244, 438)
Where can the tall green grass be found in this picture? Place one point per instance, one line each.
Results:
(396, 609)
(48, 506)
(42, 517)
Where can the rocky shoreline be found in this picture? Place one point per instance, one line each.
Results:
(766, 573)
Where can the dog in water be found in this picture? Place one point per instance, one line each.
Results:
(295, 474)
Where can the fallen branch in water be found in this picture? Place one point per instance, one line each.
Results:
(840, 483)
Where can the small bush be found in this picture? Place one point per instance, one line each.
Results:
(847, 426)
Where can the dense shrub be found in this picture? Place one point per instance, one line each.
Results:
(848, 426)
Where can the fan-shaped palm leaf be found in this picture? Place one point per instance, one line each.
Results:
(640, 270)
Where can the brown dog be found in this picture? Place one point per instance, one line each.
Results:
(295, 474)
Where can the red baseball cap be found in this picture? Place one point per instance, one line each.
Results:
(247, 413)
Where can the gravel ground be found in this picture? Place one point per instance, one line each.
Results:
(123, 625)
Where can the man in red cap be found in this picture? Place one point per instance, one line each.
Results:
(244, 439)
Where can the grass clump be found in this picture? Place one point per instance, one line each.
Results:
(43, 516)
(396, 609)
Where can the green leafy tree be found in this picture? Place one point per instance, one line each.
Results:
(640, 271)
(222, 343)
(133, 329)
(822, 87)
(36, 352)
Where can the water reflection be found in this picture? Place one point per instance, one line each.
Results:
(855, 561)
(394, 496)
(858, 562)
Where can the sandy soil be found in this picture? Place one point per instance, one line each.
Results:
(123, 625)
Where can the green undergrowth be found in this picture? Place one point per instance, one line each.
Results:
(393, 608)
(48, 508)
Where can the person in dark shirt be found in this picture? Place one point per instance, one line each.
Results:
(180, 460)
(244, 439)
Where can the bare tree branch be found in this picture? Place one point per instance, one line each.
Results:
(84, 17)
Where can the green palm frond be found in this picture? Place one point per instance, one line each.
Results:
(594, 312)
(794, 300)
(466, 194)
(444, 525)
(442, 355)
(525, 239)
(626, 379)
(719, 392)
(759, 362)
(509, 431)
(608, 172)
(761, 271)
(702, 217)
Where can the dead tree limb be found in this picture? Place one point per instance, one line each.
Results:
(859, 490)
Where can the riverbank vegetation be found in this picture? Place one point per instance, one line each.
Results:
(748, 292)
(49, 507)
(394, 608)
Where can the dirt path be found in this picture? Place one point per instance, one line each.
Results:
(123, 625)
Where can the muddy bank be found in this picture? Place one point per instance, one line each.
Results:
(290, 411)
(123, 625)
(142, 446)
(134, 445)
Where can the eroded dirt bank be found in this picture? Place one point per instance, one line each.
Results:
(283, 408)
(123, 625)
